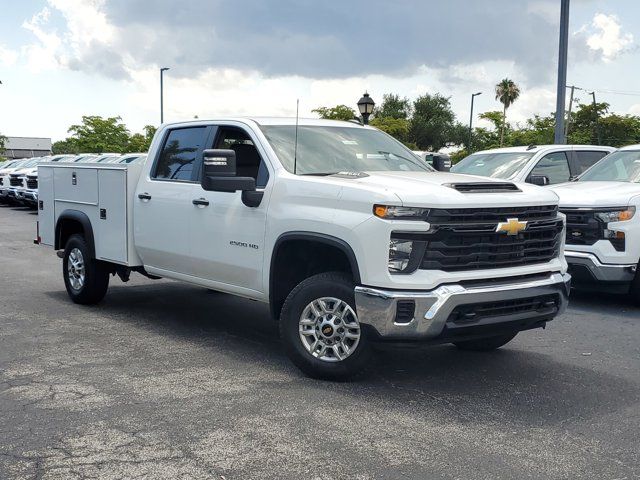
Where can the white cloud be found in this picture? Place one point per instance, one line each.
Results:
(7, 57)
(605, 36)
(43, 54)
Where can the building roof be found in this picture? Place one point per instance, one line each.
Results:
(28, 143)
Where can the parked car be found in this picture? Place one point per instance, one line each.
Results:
(25, 193)
(603, 223)
(5, 171)
(360, 245)
(540, 165)
(17, 181)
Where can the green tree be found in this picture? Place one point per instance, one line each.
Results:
(433, 124)
(139, 142)
(68, 145)
(396, 127)
(507, 92)
(96, 134)
(393, 106)
(339, 112)
(3, 141)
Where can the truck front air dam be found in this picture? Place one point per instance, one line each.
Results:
(454, 311)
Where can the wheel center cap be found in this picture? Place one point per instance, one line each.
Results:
(327, 330)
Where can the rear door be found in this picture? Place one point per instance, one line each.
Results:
(585, 159)
(163, 200)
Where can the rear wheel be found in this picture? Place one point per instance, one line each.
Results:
(85, 278)
(485, 344)
(320, 330)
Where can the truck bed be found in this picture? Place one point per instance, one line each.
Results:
(104, 193)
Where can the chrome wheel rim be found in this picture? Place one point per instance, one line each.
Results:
(329, 329)
(75, 269)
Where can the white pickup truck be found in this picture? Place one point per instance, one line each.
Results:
(603, 223)
(347, 235)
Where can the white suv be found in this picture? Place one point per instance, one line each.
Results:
(603, 223)
(540, 165)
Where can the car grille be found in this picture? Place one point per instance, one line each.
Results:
(583, 228)
(466, 239)
(32, 183)
(15, 181)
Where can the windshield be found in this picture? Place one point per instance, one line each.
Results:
(326, 150)
(498, 165)
(621, 166)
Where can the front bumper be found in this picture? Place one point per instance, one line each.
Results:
(456, 311)
(587, 267)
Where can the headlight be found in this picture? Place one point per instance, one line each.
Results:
(399, 254)
(616, 215)
(400, 213)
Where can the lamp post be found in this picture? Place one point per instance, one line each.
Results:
(365, 105)
(162, 70)
(558, 136)
(473, 96)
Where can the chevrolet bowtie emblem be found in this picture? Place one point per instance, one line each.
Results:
(512, 226)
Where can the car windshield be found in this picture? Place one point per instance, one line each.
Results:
(325, 150)
(498, 165)
(620, 166)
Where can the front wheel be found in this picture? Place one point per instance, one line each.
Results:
(485, 344)
(320, 330)
(85, 278)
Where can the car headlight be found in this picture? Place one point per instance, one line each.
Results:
(400, 213)
(616, 215)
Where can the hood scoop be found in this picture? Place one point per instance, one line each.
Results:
(483, 187)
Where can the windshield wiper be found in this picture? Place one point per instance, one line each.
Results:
(423, 165)
(318, 174)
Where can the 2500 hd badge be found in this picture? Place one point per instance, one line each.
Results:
(233, 243)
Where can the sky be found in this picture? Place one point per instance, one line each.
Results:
(61, 59)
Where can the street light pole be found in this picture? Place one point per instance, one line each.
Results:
(559, 137)
(595, 115)
(366, 105)
(473, 96)
(162, 70)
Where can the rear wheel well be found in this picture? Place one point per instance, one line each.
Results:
(73, 222)
(297, 259)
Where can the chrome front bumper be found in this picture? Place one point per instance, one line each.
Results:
(602, 272)
(433, 309)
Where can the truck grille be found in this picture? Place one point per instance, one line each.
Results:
(32, 183)
(583, 228)
(15, 181)
(466, 239)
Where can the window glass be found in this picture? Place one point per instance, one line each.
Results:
(503, 165)
(587, 159)
(323, 150)
(620, 166)
(248, 160)
(179, 153)
(554, 166)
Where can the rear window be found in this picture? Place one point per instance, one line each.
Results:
(179, 152)
(586, 159)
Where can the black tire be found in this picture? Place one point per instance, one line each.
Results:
(485, 344)
(332, 284)
(96, 276)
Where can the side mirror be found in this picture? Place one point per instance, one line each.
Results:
(442, 163)
(541, 180)
(219, 175)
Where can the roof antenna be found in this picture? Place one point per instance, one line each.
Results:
(295, 145)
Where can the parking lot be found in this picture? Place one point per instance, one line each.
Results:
(165, 380)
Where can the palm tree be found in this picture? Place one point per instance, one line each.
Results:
(507, 92)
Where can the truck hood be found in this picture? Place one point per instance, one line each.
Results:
(596, 194)
(431, 189)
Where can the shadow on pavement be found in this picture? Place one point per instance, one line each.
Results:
(520, 384)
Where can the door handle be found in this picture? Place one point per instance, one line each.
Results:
(144, 196)
(200, 202)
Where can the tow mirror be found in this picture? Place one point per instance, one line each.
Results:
(219, 175)
(541, 180)
(442, 163)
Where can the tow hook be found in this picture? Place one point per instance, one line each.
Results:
(60, 253)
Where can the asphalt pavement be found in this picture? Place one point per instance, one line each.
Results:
(166, 380)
